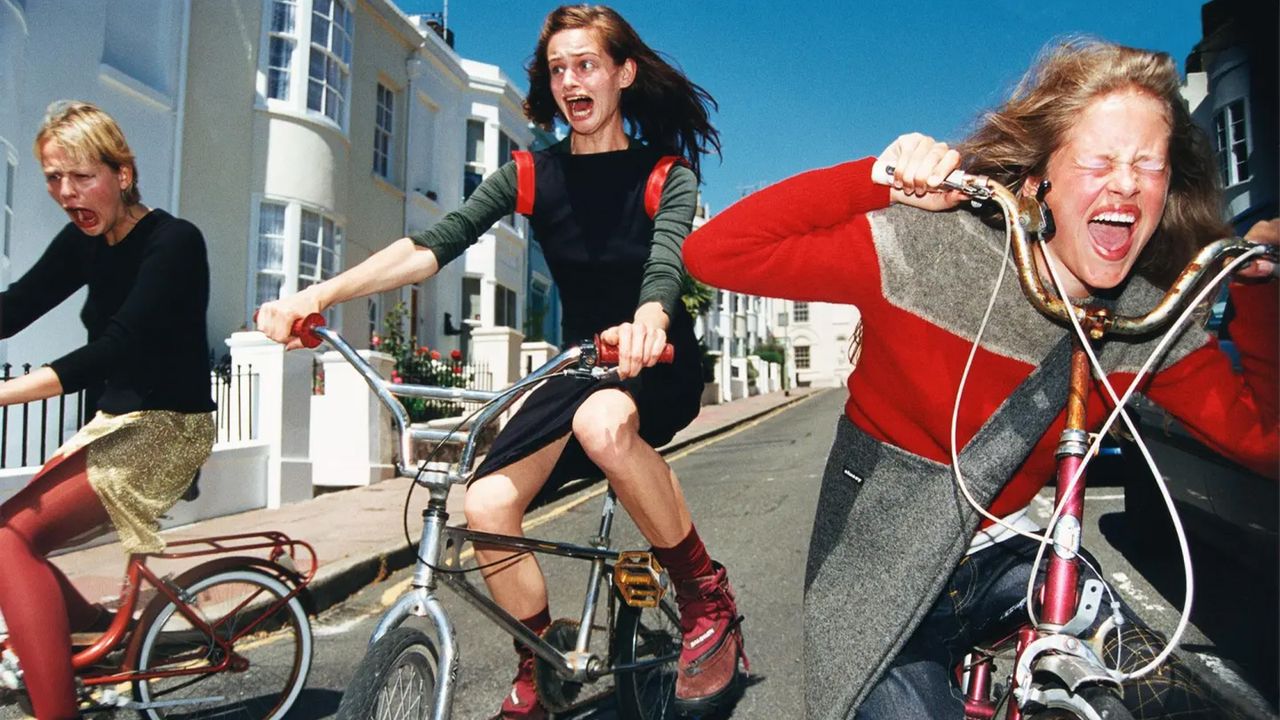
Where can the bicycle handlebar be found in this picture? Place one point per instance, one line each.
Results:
(585, 357)
(1028, 215)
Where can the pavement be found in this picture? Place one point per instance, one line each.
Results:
(358, 534)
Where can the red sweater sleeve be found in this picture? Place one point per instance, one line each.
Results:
(1234, 413)
(805, 238)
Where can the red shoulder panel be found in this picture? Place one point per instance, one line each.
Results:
(657, 180)
(524, 181)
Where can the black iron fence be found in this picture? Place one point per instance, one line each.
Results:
(235, 390)
(26, 436)
(31, 432)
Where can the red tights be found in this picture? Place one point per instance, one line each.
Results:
(40, 605)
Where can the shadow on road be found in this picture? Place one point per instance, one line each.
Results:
(1235, 601)
(315, 703)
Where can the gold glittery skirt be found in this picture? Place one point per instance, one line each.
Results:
(140, 464)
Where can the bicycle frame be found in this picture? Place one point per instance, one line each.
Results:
(438, 548)
(283, 552)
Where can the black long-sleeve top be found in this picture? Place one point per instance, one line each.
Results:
(145, 313)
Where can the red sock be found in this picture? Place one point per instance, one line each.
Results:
(537, 623)
(688, 559)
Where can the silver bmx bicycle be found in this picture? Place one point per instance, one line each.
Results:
(410, 674)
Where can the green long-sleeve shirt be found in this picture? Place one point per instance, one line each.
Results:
(496, 198)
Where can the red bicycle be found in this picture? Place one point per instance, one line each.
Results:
(227, 638)
(1059, 668)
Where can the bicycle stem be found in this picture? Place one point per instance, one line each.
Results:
(1060, 593)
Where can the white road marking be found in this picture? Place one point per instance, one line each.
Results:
(1133, 595)
(1237, 683)
(337, 628)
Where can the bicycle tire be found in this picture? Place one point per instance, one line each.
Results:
(170, 640)
(396, 679)
(640, 634)
(1103, 701)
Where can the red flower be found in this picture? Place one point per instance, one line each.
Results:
(457, 370)
(456, 354)
(395, 377)
(422, 350)
(435, 355)
(375, 341)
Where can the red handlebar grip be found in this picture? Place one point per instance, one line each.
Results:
(608, 354)
(302, 329)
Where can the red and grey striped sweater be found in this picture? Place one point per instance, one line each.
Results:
(921, 281)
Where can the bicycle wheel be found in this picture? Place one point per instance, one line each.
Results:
(640, 635)
(396, 680)
(271, 649)
(1104, 703)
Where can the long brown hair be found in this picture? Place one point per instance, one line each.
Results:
(1014, 142)
(665, 109)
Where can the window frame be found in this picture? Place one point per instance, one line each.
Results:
(799, 312)
(384, 138)
(299, 70)
(6, 222)
(291, 257)
(803, 360)
(1225, 141)
(290, 36)
(474, 168)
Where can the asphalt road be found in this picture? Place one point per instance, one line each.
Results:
(753, 492)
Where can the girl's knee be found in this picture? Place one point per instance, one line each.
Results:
(607, 433)
(489, 509)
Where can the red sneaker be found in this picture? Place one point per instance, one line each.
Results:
(709, 621)
(522, 702)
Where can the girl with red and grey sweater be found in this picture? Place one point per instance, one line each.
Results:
(893, 602)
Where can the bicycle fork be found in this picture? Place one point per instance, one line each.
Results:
(421, 601)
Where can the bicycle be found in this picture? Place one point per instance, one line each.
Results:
(1058, 666)
(407, 673)
(197, 648)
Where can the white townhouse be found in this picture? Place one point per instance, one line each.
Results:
(300, 136)
(318, 131)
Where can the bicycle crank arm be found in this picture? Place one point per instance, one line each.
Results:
(643, 665)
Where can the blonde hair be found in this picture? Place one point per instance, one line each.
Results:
(87, 133)
(1013, 142)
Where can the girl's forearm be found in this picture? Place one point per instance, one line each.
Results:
(41, 383)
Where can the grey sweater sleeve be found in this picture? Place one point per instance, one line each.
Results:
(457, 231)
(664, 270)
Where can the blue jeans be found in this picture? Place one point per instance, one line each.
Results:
(983, 601)
(986, 588)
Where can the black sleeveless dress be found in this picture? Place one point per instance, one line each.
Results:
(589, 217)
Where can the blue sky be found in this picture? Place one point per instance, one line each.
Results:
(807, 84)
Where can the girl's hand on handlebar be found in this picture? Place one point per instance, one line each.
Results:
(920, 165)
(640, 343)
(276, 319)
(1265, 232)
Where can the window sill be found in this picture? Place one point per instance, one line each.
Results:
(285, 109)
(386, 186)
(425, 202)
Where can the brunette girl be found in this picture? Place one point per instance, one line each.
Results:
(610, 211)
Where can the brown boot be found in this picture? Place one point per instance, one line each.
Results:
(522, 702)
(709, 621)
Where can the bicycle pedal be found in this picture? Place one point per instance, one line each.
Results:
(639, 579)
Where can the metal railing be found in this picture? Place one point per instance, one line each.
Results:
(22, 442)
(31, 432)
